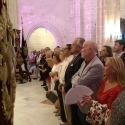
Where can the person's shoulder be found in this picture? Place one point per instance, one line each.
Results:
(115, 90)
(123, 55)
(79, 58)
(97, 61)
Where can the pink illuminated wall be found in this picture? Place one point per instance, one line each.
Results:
(55, 15)
(88, 19)
(77, 17)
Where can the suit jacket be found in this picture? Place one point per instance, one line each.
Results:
(72, 68)
(123, 57)
(36, 58)
(46, 73)
(91, 76)
(43, 59)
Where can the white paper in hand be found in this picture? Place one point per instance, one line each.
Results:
(76, 94)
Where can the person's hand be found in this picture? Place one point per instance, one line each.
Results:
(56, 78)
(63, 90)
(43, 70)
(50, 73)
(87, 99)
(55, 74)
(42, 66)
(81, 103)
(60, 87)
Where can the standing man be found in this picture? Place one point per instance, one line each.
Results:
(68, 57)
(119, 49)
(73, 67)
(36, 70)
(41, 61)
(90, 73)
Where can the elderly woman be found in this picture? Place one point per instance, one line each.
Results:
(112, 84)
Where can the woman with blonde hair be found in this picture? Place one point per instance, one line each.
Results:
(110, 87)
(48, 54)
(57, 51)
(118, 106)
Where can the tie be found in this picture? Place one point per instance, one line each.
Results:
(72, 59)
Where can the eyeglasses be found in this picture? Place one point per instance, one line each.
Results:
(65, 48)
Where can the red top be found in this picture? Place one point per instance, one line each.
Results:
(109, 96)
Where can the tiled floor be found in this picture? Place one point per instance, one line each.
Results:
(28, 109)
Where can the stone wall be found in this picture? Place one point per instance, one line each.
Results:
(56, 15)
(88, 19)
(65, 19)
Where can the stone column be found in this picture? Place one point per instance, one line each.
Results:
(107, 22)
(12, 10)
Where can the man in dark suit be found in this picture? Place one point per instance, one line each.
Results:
(36, 70)
(73, 67)
(42, 62)
(119, 49)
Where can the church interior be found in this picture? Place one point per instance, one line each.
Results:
(29, 29)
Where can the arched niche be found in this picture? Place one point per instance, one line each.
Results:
(40, 39)
(48, 27)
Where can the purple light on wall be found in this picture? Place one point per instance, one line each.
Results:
(77, 16)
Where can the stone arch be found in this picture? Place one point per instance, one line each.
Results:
(48, 27)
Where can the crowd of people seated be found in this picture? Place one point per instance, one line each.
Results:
(80, 63)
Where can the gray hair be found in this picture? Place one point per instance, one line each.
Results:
(80, 41)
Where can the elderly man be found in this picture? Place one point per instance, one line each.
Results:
(90, 73)
(73, 67)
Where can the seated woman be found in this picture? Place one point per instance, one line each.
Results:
(105, 52)
(111, 85)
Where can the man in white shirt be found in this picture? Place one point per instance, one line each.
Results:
(68, 57)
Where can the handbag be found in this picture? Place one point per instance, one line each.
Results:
(98, 114)
(52, 97)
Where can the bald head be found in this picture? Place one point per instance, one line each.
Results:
(93, 45)
(89, 50)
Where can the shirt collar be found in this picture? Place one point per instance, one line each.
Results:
(119, 55)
